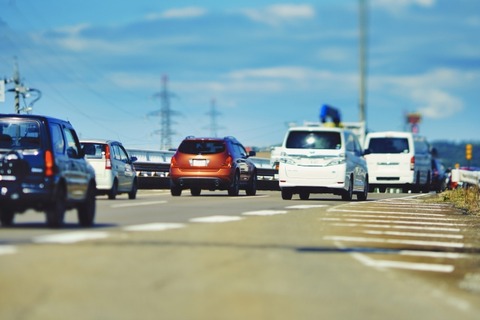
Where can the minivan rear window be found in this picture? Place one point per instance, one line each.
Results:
(19, 134)
(313, 140)
(201, 147)
(388, 145)
(93, 150)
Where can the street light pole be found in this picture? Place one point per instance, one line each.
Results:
(363, 20)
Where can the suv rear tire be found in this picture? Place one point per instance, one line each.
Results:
(234, 188)
(6, 217)
(86, 210)
(55, 212)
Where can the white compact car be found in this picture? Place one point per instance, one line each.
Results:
(114, 170)
(398, 160)
(322, 160)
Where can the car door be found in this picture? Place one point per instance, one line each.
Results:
(123, 167)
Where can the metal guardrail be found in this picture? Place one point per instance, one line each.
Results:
(466, 176)
(154, 175)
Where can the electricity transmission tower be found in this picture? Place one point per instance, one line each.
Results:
(213, 114)
(165, 113)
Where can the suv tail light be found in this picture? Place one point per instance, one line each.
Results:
(173, 162)
(228, 162)
(49, 163)
(412, 163)
(108, 159)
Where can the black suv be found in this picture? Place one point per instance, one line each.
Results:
(42, 167)
(212, 164)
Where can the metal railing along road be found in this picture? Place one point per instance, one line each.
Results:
(466, 176)
(154, 175)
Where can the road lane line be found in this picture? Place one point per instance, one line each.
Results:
(382, 264)
(396, 241)
(357, 215)
(387, 226)
(216, 219)
(307, 206)
(264, 212)
(71, 237)
(445, 224)
(413, 234)
(7, 249)
(136, 204)
(249, 197)
(388, 212)
(433, 254)
(157, 226)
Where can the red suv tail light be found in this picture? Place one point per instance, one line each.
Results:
(173, 162)
(412, 163)
(49, 163)
(108, 159)
(228, 162)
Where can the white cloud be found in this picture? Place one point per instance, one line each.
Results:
(433, 94)
(398, 5)
(178, 13)
(435, 103)
(280, 13)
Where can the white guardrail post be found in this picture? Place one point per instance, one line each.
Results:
(470, 177)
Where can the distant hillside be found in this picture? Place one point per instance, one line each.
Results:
(452, 152)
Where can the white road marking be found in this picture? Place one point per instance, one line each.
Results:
(6, 249)
(405, 218)
(216, 219)
(382, 264)
(413, 234)
(154, 227)
(397, 241)
(427, 223)
(387, 226)
(250, 197)
(136, 204)
(71, 237)
(388, 212)
(307, 206)
(433, 254)
(264, 212)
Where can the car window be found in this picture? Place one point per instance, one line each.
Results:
(57, 138)
(24, 134)
(313, 140)
(93, 150)
(201, 147)
(389, 145)
(72, 145)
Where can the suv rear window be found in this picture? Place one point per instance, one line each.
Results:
(313, 140)
(388, 145)
(201, 147)
(24, 134)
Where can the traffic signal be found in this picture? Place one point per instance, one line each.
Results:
(468, 152)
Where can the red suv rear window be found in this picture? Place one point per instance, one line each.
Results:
(201, 147)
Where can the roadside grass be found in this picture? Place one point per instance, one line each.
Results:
(467, 199)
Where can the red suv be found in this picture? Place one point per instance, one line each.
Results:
(212, 164)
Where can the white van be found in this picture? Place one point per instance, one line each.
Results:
(322, 160)
(398, 160)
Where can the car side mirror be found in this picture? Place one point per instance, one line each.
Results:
(367, 151)
(72, 153)
(252, 153)
(133, 159)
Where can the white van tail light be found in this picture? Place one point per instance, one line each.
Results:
(412, 163)
(108, 159)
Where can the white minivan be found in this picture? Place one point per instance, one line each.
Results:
(398, 160)
(316, 159)
(114, 170)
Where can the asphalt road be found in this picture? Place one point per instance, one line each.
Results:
(217, 257)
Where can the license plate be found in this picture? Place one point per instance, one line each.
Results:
(199, 162)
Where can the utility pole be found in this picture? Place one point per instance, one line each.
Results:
(21, 91)
(165, 114)
(213, 113)
(363, 21)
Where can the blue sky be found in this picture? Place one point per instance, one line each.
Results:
(99, 64)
